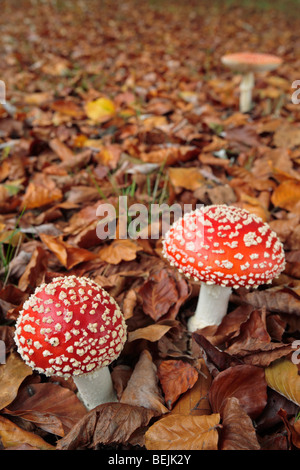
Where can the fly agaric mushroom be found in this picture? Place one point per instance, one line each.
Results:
(224, 247)
(248, 63)
(72, 327)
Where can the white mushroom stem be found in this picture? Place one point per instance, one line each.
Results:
(211, 308)
(95, 388)
(246, 87)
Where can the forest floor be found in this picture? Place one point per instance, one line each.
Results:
(108, 99)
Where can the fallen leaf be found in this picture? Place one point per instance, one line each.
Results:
(40, 192)
(35, 270)
(111, 423)
(246, 383)
(119, 250)
(176, 377)
(237, 431)
(53, 408)
(282, 376)
(142, 388)
(100, 110)
(68, 255)
(13, 436)
(179, 432)
(195, 401)
(61, 150)
(287, 195)
(187, 178)
(12, 374)
(150, 333)
(158, 294)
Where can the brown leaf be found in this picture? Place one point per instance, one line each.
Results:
(169, 155)
(292, 427)
(12, 435)
(142, 388)
(158, 294)
(41, 192)
(275, 299)
(68, 107)
(176, 377)
(53, 408)
(237, 431)
(35, 270)
(12, 374)
(253, 343)
(174, 432)
(287, 136)
(111, 423)
(246, 383)
(68, 255)
(61, 150)
(119, 250)
(150, 333)
(287, 195)
(195, 401)
(187, 178)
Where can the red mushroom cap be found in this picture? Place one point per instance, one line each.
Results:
(224, 245)
(70, 326)
(250, 61)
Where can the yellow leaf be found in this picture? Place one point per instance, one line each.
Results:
(282, 376)
(100, 110)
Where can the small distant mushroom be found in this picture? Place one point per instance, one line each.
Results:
(248, 63)
(72, 327)
(224, 247)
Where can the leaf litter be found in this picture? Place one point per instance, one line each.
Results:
(138, 105)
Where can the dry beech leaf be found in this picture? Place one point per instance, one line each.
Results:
(110, 423)
(12, 435)
(287, 195)
(41, 192)
(61, 150)
(35, 269)
(195, 401)
(119, 250)
(179, 432)
(12, 374)
(158, 294)
(282, 376)
(176, 377)
(276, 299)
(169, 155)
(293, 428)
(68, 255)
(68, 107)
(245, 382)
(142, 388)
(150, 333)
(53, 408)
(187, 178)
(237, 431)
(253, 343)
